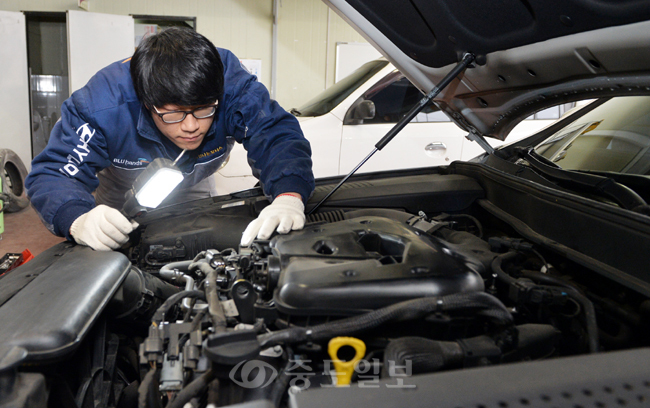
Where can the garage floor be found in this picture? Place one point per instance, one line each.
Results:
(24, 230)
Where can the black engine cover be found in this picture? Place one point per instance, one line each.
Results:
(365, 263)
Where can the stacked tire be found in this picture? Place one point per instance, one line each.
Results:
(13, 182)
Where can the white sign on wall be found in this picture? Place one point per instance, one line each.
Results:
(254, 66)
(350, 56)
(94, 41)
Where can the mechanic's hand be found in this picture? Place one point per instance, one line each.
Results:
(102, 228)
(287, 212)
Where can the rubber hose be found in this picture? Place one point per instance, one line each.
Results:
(217, 314)
(573, 293)
(483, 303)
(196, 322)
(476, 222)
(496, 267)
(202, 265)
(590, 320)
(213, 393)
(619, 340)
(180, 265)
(282, 382)
(547, 279)
(173, 299)
(148, 394)
(192, 390)
(589, 316)
(425, 355)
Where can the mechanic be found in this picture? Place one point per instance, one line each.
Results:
(178, 92)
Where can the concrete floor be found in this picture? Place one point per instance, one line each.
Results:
(24, 230)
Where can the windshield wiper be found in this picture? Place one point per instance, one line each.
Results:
(637, 182)
(603, 186)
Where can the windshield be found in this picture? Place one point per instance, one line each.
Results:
(332, 96)
(614, 137)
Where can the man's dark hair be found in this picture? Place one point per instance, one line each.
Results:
(177, 66)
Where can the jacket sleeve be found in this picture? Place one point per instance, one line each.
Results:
(63, 176)
(278, 152)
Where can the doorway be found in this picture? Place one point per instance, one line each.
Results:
(47, 61)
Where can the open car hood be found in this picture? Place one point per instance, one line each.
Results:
(530, 54)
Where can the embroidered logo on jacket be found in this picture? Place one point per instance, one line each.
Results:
(211, 152)
(79, 153)
(133, 163)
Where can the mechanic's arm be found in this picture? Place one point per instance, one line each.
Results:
(63, 178)
(278, 153)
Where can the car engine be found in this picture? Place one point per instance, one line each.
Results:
(419, 294)
(363, 295)
(373, 274)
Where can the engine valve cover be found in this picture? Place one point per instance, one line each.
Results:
(365, 263)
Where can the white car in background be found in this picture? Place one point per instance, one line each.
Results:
(344, 122)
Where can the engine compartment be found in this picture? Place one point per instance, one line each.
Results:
(397, 277)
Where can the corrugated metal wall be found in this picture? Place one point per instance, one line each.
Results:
(307, 34)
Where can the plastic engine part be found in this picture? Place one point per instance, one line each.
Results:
(363, 264)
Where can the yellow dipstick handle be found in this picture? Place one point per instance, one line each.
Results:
(345, 369)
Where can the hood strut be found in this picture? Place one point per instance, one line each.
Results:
(476, 137)
(460, 67)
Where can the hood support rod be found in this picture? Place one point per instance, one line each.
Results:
(460, 67)
(478, 138)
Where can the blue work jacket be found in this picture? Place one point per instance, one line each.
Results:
(105, 130)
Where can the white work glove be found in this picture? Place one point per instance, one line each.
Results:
(102, 228)
(286, 213)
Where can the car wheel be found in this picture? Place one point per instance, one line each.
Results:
(13, 184)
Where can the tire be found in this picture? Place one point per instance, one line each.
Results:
(13, 182)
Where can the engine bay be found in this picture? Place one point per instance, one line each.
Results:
(403, 276)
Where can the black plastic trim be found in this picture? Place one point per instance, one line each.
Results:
(601, 380)
(51, 315)
(605, 238)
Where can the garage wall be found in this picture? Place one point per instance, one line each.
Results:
(307, 34)
(242, 26)
(38, 5)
